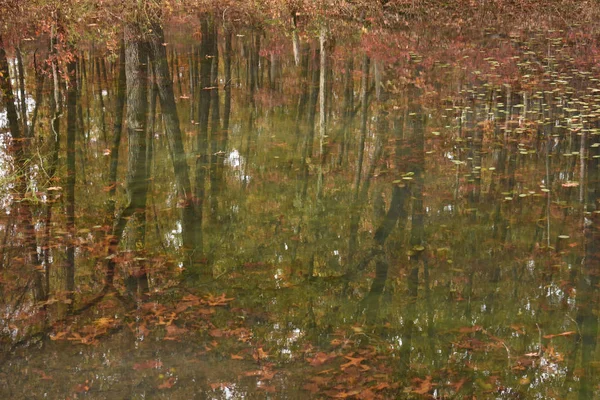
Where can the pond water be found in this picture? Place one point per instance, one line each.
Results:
(351, 221)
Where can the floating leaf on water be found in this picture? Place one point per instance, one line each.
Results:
(570, 184)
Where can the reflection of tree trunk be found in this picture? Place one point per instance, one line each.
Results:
(25, 217)
(101, 100)
(202, 145)
(295, 38)
(39, 94)
(117, 129)
(71, 175)
(136, 76)
(215, 129)
(51, 169)
(175, 139)
(227, 67)
(312, 112)
(348, 107)
(21, 71)
(322, 103)
(8, 96)
(364, 94)
(587, 312)
(355, 218)
(588, 294)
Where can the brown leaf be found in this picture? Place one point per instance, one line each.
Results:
(353, 362)
(215, 333)
(219, 385)
(267, 374)
(236, 357)
(82, 387)
(220, 300)
(261, 354)
(173, 331)
(147, 365)
(459, 384)
(267, 388)
(313, 388)
(366, 394)
(470, 329)
(191, 298)
(559, 334)
(168, 384)
(341, 395)
(381, 386)
(320, 359)
(423, 386)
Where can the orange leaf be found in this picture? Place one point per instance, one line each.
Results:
(168, 384)
(215, 333)
(261, 354)
(353, 362)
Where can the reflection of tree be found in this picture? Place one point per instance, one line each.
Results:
(20, 152)
(170, 119)
(71, 177)
(117, 128)
(136, 75)
(588, 293)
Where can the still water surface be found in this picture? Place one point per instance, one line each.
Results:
(377, 229)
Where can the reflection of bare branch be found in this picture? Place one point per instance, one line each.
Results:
(108, 288)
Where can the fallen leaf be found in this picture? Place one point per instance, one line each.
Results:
(353, 362)
(82, 387)
(260, 354)
(147, 365)
(381, 386)
(470, 329)
(219, 385)
(220, 300)
(168, 384)
(422, 386)
(320, 359)
(560, 334)
(313, 388)
(267, 388)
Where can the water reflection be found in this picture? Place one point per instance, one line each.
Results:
(370, 235)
